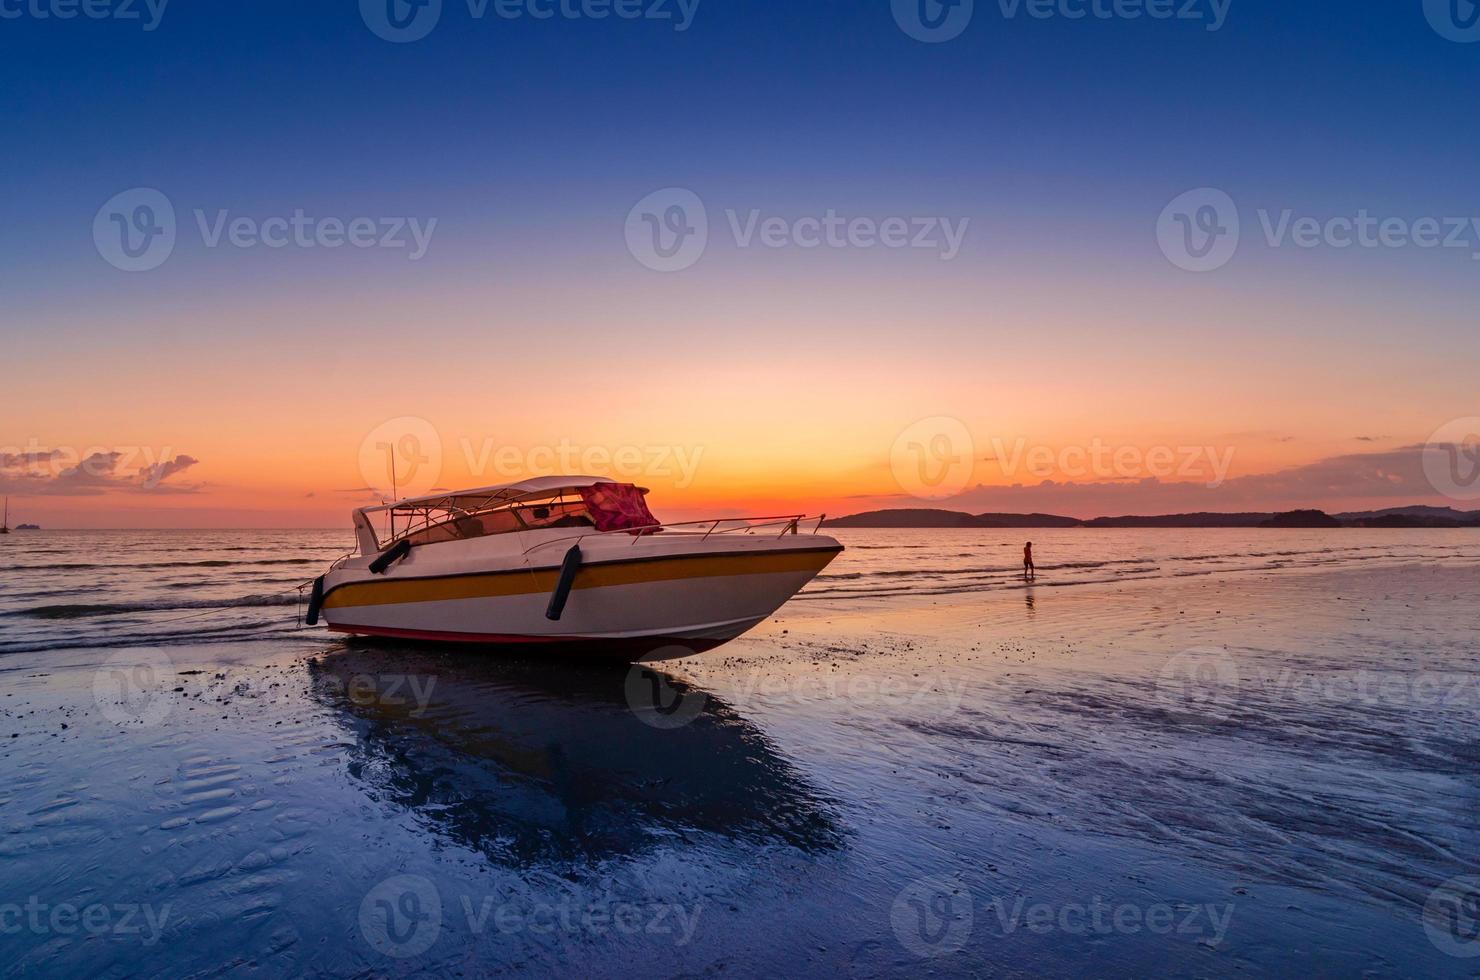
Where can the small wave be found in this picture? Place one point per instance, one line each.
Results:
(126, 566)
(1102, 564)
(85, 610)
(885, 547)
(236, 634)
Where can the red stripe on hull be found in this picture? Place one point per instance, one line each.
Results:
(629, 647)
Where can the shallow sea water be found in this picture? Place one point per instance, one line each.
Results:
(1180, 752)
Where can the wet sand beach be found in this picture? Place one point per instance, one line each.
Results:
(1248, 770)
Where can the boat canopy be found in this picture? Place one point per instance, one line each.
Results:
(543, 502)
(481, 497)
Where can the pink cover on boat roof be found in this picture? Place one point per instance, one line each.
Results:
(617, 507)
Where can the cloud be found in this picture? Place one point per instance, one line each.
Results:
(101, 471)
(9, 461)
(152, 476)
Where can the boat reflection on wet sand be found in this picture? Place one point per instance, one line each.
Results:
(532, 762)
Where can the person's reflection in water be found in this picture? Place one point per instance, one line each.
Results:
(1032, 604)
(539, 762)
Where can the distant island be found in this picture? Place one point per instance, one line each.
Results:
(28, 527)
(1391, 517)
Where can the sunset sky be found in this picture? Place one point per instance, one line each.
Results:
(240, 385)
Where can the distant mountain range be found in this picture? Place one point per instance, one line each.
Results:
(1414, 516)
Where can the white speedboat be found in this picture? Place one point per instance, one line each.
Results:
(576, 563)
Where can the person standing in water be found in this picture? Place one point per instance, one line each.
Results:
(1029, 572)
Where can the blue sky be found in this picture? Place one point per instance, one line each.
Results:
(528, 141)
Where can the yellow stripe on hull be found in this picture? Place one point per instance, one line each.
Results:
(525, 582)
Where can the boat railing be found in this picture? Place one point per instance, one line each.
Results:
(788, 524)
(352, 553)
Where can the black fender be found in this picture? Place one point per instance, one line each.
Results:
(315, 601)
(563, 584)
(390, 556)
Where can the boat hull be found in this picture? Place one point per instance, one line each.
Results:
(633, 606)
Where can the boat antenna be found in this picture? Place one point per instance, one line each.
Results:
(391, 452)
